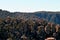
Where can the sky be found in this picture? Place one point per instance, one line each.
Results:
(30, 5)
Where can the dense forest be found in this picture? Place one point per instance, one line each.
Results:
(29, 26)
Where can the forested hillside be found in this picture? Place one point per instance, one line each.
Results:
(50, 16)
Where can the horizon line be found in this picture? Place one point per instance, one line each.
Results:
(30, 11)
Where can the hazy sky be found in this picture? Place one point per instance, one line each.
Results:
(30, 5)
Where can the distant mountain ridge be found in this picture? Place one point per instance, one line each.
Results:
(50, 16)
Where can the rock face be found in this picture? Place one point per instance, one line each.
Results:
(50, 16)
(51, 38)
